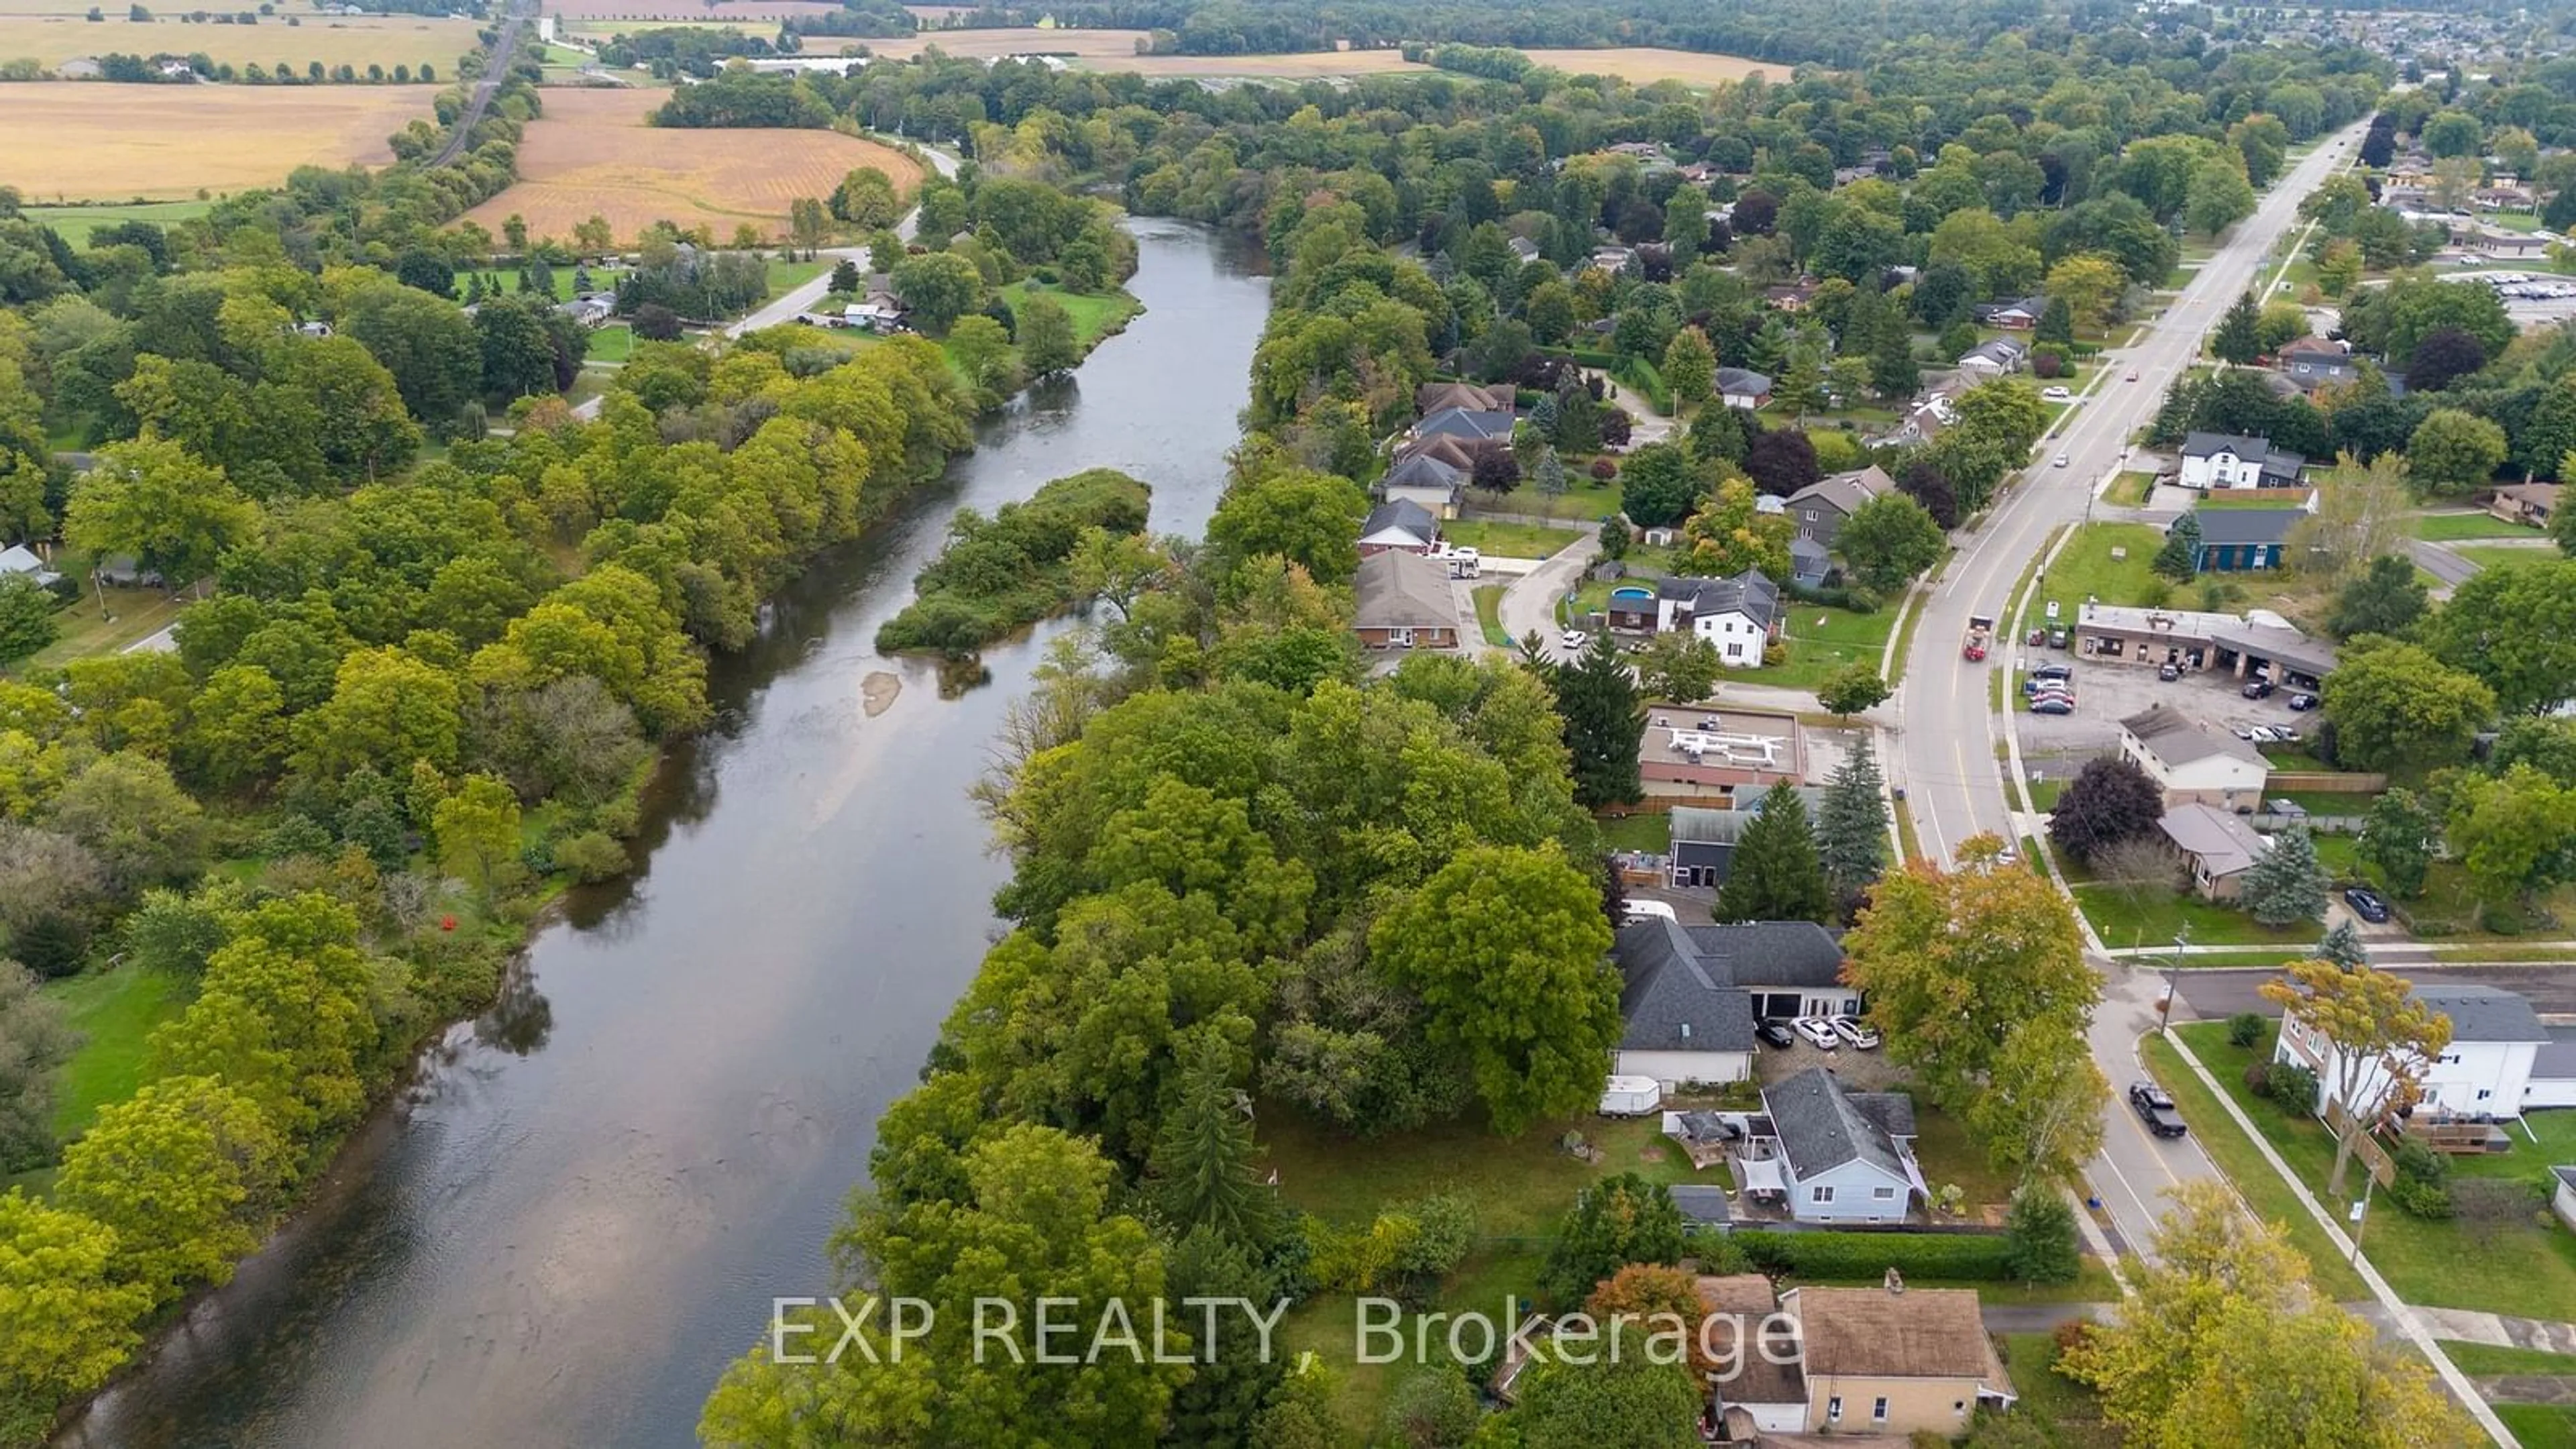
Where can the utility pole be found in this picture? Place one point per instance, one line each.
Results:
(2173, 963)
(2361, 1211)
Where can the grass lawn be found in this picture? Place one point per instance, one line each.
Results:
(130, 615)
(2066, 1413)
(1822, 640)
(2441, 527)
(1942, 1147)
(75, 223)
(1489, 603)
(2255, 1181)
(1508, 540)
(613, 343)
(1094, 316)
(2530, 1271)
(785, 277)
(2540, 1426)
(115, 1012)
(2044, 793)
(2154, 917)
(2085, 569)
(2449, 908)
(2130, 488)
(2497, 556)
(1650, 831)
(2483, 1360)
(1584, 503)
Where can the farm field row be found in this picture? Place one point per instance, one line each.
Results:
(358, 41)
(592, 153)
(166, 143)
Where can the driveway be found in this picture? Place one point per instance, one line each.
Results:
(1529, 602)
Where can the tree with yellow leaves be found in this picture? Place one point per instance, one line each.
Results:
(2380, 1041)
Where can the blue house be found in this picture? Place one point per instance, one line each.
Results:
(2236, 540)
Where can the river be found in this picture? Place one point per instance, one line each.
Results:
(579, 1213)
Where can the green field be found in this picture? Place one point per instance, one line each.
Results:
(74, 223)
(2154, 917)
(1508, 540)
(2130, 489)
(1649, 831)
(2527, 1269)
(2086, 569)
(1822, 640)
(2497, 556)
(2066, 1413)
(1489, 604)
(613, 343)
(2444, 527)
(2540, 1426)
(115, 1012)
(1094, 316)
(2486, 1360)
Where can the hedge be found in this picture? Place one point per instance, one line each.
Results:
(1971, 1257)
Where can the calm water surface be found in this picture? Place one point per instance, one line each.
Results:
(579, 1214)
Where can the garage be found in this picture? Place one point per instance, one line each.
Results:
(1778, 1005)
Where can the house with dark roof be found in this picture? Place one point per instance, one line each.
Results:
(1458, 453)
(20, 560)
(2020, 314)
(2193, 762)
(1740, 615)
(2275, 652)
(1702, 847)
(1742, 388)
(2491, 1067)
(1757, 1393)
(1828, 1154)
(2217, 846)
(2242, 540)
(1401, 526)
(1434, 397)
(1690, 995)
(1809, 563)
(1430, 483)
(1468, 425)
(1822, 507)
(1404, 601)
(1994, 357)
(2314, 362)
(2230, 460)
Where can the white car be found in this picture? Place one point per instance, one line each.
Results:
(2261, 734)
(2061, 460)
(2057, 394)
(1573, 640)
(1818, 1032)
(1850, 1029)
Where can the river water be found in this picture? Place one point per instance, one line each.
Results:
(579, 1214)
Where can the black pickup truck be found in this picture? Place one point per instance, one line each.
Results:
(2156, 1110)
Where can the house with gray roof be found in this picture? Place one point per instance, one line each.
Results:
(1404, 602)
(1823, 506)
(1740, 615)
(1430, 483)
(1399, 525)
(1691, 994)
(1739, 387)
(2239, 540)
(2217, 845)
(1702, 847)
(1832, 1155)
(1469, 425)
(1996, 357)
(1809, 563)
(2191, 761)
(2493, 1066)
(2231, 460)
(19, 560)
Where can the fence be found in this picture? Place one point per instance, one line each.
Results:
(2327, 782)
(2383, 1168)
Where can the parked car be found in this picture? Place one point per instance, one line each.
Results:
(2261, 734)
(2286, 735)
(2156, 1109)
(2169, 673)
(2053, 704)
(1850, 1029)
(1818, 1032)
(2367, 904)
(2257, 689)
(2057, 636)
(2304, 701)
(1776, 1033)
(2055, 394)
(2053, 671)
(1573, 639)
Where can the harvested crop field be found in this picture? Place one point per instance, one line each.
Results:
(1115, 50)
(359, 41)
(752, 15)
(591, 152)
(1643, 65)
(1016, 40)
(154, 143)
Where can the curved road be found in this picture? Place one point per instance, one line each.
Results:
(1946, 750)
(505, 46)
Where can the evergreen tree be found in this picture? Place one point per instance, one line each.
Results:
(2239, 338)
(2056, 322)
(1777, 875)
(1202, 1162)
(1892, 368)
(2286, 884)
(2039, 1237)
(2179, 559)
(1549, 475)
(1851, 829)
(2342, 945)
(1604, 719)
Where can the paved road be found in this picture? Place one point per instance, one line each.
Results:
(496, 69)
(1946, 748)
(2213, 992)
(2440, 562)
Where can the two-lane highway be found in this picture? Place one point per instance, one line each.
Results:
(1946, 754)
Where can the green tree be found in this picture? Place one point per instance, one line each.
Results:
(143, 828)
(1618, 1220)
(387, 708)
(1505, 946)
(1658, 487)
(2038, 1113)
(2108, 802)
(236, 732)
(2220, 195)
(2454, 452)
(1690, 370)
(2090, 284)
(150, 500)
(1853, 689)
(2056, 323)
(1605, 722)
(2547, 745)
(2383, 1037)
(2039, 1236)
(177, 933)
(1851, 823)
(2179, 559)
(477, 830)
(1047, 342)
(35, 1039)
(519, 354)
(939, 288)
(1202, 1169)
(2385, 598)
(983, 352)
(284, 1012)
(2287, 884)
(1729, 534)
(866, 199)
(2397, 840)
(67, 1316)
(1633, 1397)
(2395, 705)
(1548, 476)
(26, 618)
(1777, 875)
(1309, 518)
(2239, 338)
(2514, 626)
(1889, 541)
(2515, 833)
(1680, 667)
(185, 1173)
(1893, 372)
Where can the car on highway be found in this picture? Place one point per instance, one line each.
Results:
(1850, 1029)
(1573, 639)
(2169, 673)
(2257, 689)
(1818, 1032)
(1776, 1033)
(2133, 374)
(2052, 704)
(2061, 460)
(2304, 702)
(2156, 1109)
(2367, 904)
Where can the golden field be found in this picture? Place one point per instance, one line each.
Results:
(1115, 50)
(1643, 65)
(591, 153)
(360, 41)
(124, 142)
(744, 14)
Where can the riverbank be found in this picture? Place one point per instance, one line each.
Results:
(576, 1213)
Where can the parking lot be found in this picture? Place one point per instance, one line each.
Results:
(2108, 692)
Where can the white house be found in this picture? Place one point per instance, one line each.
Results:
(1994, 358)
(2192, 762)
(1833, 1155)
(2491, 1067)
(2227, 460)
(1738, 615)
(17, 558)
(2563, 1195)
(1741, 388)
